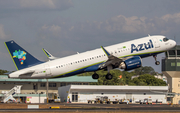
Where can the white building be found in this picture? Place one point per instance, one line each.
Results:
(83, 93)
(34, 90)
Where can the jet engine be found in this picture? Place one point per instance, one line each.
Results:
(131, 63)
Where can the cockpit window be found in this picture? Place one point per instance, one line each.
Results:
(165, 39)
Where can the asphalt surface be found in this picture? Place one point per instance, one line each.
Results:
(102, 108)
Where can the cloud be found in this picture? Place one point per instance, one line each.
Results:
(36, 4)
(120, 24)
(49, 31)
(2, 33)
(114, 27)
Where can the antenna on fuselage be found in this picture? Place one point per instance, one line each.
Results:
(174, 38)
(148, 35)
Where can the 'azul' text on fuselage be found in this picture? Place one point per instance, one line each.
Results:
(141, 47)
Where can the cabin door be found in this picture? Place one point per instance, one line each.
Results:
(156, 43)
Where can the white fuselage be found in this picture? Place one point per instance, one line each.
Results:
(77, 63)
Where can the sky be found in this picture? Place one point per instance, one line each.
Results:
(65, 27)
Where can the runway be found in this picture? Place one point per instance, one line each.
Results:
(71, 107)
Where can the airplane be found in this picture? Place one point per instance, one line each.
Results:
(126, 56)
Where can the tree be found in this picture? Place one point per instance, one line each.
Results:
(148, 80)
(2, 72)
(144, 70)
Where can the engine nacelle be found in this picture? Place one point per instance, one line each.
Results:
(131, 63)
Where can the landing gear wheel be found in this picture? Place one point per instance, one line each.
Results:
(109, 76)
(95, 76)
(157, 62)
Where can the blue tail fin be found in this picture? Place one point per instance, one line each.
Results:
(21, 58)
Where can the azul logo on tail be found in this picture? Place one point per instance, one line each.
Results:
(141, 47)
(21, 55)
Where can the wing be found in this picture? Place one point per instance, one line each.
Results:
(112, 60)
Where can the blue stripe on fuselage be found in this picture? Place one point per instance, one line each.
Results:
(84, 69)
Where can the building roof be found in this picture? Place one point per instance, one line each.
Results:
(107, 87)
(4, 78)
(27, 95)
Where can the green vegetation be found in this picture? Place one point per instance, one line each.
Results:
(2, 72)
(148, 80)
(146, 77)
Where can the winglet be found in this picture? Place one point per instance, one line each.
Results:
(105, 51)
(48, 54)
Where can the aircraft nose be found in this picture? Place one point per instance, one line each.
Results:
(173, 43)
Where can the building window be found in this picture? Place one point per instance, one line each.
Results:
(173, 64)
(35, 86)
(178, 52)
(178, 63)
(168, 98)
(43, 84)
(75, 83)
(172, 53)
(52, 84)
(62, 84)
(74, 96)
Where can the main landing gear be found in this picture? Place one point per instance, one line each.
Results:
(95, 76)
(157, 62)
(109, 76)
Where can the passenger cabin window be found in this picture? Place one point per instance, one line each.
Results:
(165, 39)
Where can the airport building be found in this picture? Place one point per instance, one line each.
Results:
(77, 89)
(34, 90)
(171, 68)
(77, 93)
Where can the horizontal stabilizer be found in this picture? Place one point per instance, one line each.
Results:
(26, 74)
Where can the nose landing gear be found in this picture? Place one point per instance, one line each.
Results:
(157, 62)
